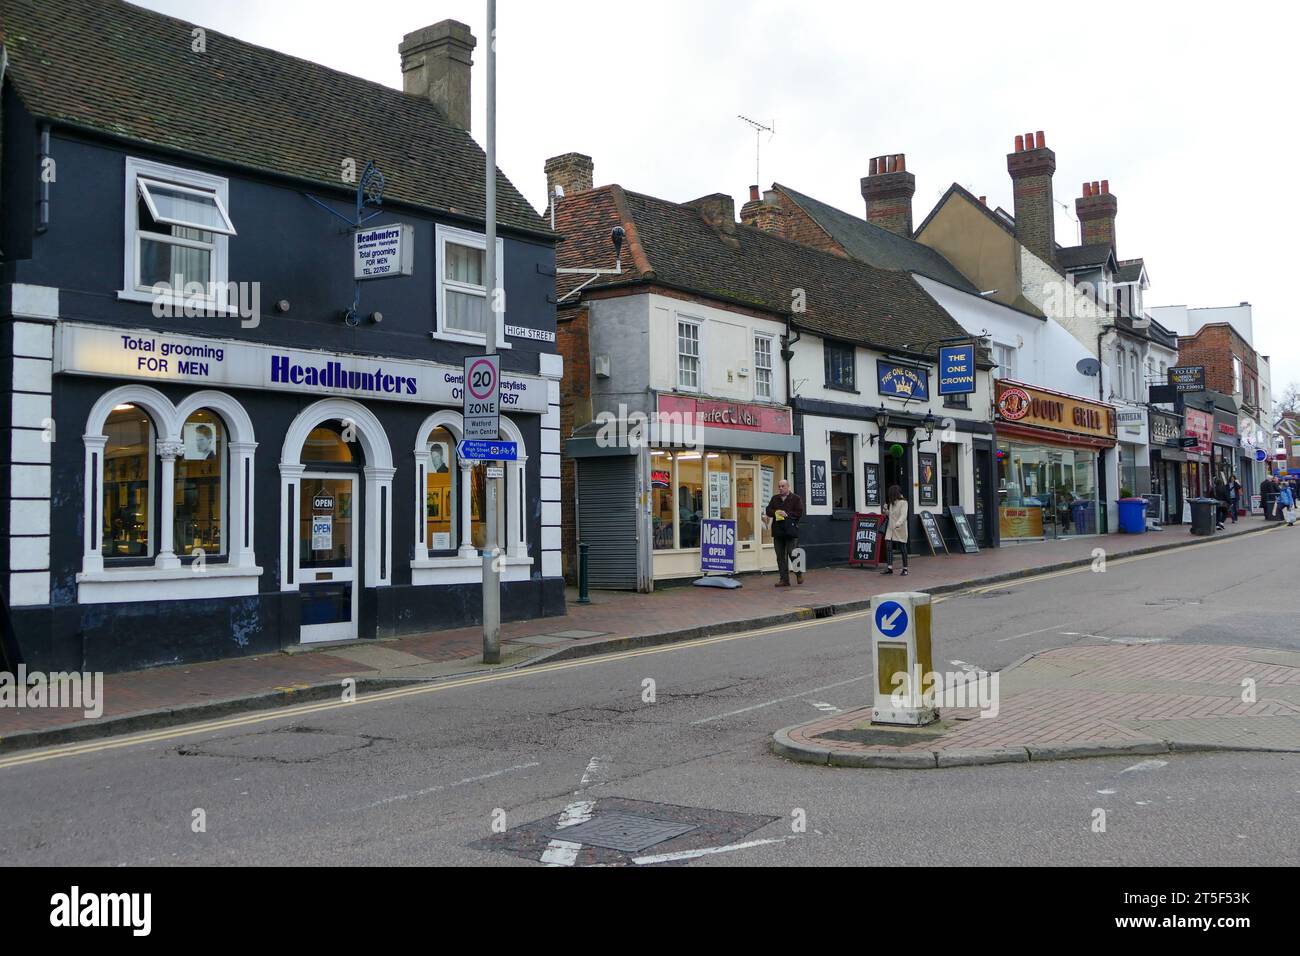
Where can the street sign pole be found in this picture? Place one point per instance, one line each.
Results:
(491, 573)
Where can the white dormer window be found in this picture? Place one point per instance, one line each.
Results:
(177, 229)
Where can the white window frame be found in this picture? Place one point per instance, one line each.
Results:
(473, 240)
(769, 367)
(1005, 369)
(698, 325)
(132, 290)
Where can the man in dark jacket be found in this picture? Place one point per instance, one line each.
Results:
(784, 511)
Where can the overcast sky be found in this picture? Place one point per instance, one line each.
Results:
(1186, 108)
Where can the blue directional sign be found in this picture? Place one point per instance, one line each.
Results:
(891, 619)
(488, 450)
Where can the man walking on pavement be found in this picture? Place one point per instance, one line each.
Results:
(784, 511)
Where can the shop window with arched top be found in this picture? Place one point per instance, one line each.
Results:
(127, 503)
(201, 486)
(442, 492)
(328, 444)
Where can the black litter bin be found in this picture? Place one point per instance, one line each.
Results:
(1205, 517)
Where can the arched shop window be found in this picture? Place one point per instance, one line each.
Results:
(451, 507)
(128, 504)
(442, 492)
(200, 503)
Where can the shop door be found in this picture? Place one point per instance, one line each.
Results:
(328, 519)
(749, 523)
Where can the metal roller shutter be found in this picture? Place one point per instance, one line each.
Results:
(607, 520)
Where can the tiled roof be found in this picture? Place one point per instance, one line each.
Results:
(1083, 257)
(672, 244)
(129, 72)
(1130, 270)
(876, 246)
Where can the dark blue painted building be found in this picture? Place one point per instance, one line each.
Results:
(212, 446)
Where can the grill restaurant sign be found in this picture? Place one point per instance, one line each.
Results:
(1038, 408)
(142, 354)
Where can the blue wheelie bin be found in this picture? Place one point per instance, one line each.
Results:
(1132, 515)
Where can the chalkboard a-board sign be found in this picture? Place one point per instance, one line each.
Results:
(932, 535)
(864, 542)
(873, 483)
(964, 532)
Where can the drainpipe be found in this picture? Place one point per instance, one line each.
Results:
(796, 423)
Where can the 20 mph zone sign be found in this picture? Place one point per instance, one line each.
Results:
(482, 393)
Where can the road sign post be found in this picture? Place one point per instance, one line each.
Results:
(471, 386)
(900, 644)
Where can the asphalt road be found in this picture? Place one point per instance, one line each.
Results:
(422, 778)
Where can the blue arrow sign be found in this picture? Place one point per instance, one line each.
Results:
(891, 618)
(488, 450)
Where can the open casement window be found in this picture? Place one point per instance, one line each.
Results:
(464, 303)
(177, 235)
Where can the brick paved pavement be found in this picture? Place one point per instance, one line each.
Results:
(1085, 698)
(613, 619)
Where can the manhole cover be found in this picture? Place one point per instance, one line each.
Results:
(873, 737)
(622, 831)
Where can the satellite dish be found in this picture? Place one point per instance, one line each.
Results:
(1088, 366)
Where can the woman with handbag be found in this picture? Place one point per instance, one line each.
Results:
(896, 531)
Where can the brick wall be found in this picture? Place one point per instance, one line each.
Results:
(573, 341)
(1031, 167)
(1214, 347)
(800, 227)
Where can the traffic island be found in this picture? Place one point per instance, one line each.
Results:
(1087, 700)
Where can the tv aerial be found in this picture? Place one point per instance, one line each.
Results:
(759, 130)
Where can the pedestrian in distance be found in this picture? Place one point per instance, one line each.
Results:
(1286, 501)
(784, 511)
(896, 530)
(1234, 494)
(1220, 495)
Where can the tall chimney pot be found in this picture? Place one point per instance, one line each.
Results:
(436, 63)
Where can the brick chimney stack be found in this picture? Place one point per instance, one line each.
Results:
(765, 213)
(572, 172)
(1096, 210)
(436, 64)
(1031, 167)
(719, 211)
(888, 189)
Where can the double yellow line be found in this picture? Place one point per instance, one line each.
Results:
(302, 710)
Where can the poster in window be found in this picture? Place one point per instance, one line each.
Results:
(927, 464)
(439, 459)
(767, 484)
(872, 475)
(817, 483)
(200, 441)
(718, 491)
(322, 532)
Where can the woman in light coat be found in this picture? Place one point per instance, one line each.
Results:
(896, 531)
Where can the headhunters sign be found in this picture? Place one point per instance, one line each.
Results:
(145, 354)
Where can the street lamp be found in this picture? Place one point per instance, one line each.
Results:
(928, 425)
(882, 422)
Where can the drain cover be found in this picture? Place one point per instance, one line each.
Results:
(622, 831)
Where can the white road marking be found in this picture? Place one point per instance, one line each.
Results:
(1041, 630)
(1116, 640)
(824, 707)
(1107, 793)
(1146, 765)
(969, 668)
(779, 700)
(565, 852)
(446, 786)
(595, 769)
(706, 851)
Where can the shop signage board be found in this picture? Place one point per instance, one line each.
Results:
(1025, 405)
(933, 537)
(957, 370)
(872, 475)
(775, 420)
(1188, 378)
(817, 483)
(964, 532)
(144, 354)
(383, 252)
(718, 545)
(865, 540)
(927, 465)
(1199, 427)
(902, 381)
(481, 400)
(1261, 455)
(1165, 429)
(322, 502)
